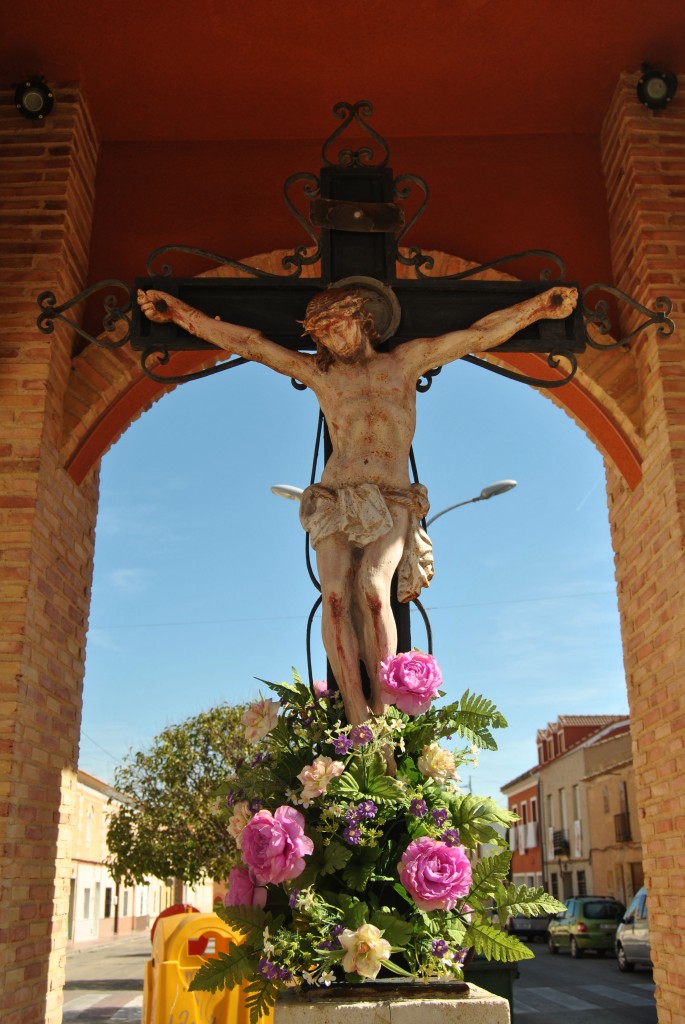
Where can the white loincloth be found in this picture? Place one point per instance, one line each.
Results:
(362, 514)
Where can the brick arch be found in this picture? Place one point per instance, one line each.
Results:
(108, 390)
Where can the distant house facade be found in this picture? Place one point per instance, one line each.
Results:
(99, 908)
(577, 831)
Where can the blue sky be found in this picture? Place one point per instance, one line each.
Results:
(200, 583)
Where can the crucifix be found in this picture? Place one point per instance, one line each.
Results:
(376, 336)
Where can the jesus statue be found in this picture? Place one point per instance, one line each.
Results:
(364, 516)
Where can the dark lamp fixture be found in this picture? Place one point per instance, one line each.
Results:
(34, 99)
(656, 87)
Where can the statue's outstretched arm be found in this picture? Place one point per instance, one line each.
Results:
(242, 341)
(423, 354)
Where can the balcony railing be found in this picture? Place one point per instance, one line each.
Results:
(622, 826)
(560, 843)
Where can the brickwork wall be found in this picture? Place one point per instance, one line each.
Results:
(644, 160)
(47, 528)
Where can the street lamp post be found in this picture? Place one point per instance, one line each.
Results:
(491, 491)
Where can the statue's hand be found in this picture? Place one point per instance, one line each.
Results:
(157, 306)
(559, 302)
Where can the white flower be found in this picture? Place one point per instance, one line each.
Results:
(437, 763)
(268, 945)
(309, 977)
(260, 718)
(365, 950)
(326, 978)
(239, 819)
(317, 776)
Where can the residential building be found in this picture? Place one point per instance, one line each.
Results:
(616, 850)
(561, 838)
(99, 908)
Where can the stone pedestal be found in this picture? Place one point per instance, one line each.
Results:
(477, 1007)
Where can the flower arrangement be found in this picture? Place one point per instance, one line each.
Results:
(357, 842)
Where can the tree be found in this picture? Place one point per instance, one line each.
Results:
(169, 823)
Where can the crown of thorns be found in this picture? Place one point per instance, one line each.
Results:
(327, 310)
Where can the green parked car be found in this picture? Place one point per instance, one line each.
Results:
(589, 922)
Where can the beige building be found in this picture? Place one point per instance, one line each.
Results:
(616, 851)
(99, 908)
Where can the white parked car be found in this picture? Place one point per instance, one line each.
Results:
(632, 935)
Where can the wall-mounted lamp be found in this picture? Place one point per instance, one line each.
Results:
(656, 87)
(34, 98)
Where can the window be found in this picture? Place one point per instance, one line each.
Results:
(576, 803)
(555, 885)
(562, 809)
(622, 797)
(581, 883)
(86, 904)
(108, 902)
(533, 809)
(605, 799)
(550, 811)
(524, 812)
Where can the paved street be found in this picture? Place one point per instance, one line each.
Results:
(105, 986)
(105, 983)
(560, 990)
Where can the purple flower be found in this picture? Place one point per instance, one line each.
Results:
(284, 974)
(418, 807)
(352, 816)
(326, 944)
(366, 810)
(352, 835)
(274, 845)
(435, 875)
(337, 930)
(361, 735)
(439, 816)
(440, 948)
(267, 969)
(410, 681)
(450, 836)
(341, 745)
(294, 896)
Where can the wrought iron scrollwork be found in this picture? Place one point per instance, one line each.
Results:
(350, 113)
(404, 184)
(545, 273)
(599, 316)
(425, 381)
(311, 189)
(162, 356)
(116, 313)
(221, 261)
(536, 382)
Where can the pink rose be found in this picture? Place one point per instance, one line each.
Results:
(274, 845)
(242, 891)
(410, 681)
(434, 874)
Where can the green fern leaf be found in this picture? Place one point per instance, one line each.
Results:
(496, 944)
(519, 899)
(224, 971)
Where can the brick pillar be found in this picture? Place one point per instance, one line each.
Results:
(47, 528)
(644, 162)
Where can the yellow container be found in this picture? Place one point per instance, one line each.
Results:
(181, 944)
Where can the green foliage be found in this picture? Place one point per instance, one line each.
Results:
(518, 899)
(495, 944)
(361, 818)
(169, 824)
(227, 970)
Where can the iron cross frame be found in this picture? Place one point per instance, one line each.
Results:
(355, 216)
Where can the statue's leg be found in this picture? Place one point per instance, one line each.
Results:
(335, 562)
(374, 576)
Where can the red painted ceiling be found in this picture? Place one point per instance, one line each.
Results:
(217, 69)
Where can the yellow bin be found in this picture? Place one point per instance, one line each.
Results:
(181, 944)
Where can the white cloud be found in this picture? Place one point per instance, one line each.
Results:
(128, 581)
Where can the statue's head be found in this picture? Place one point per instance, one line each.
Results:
(336, 308)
